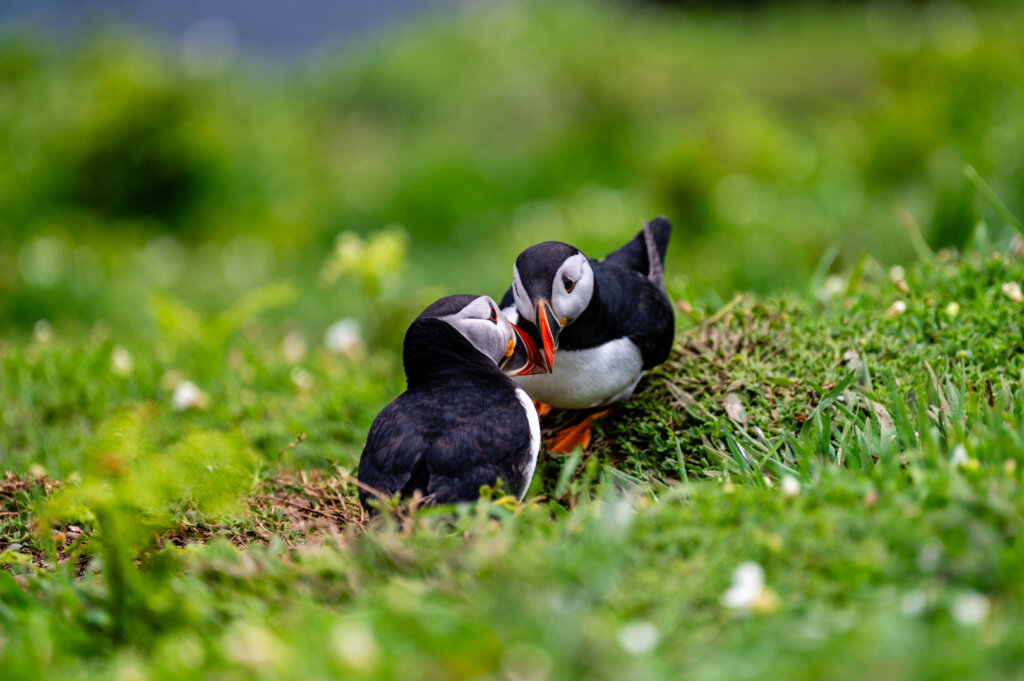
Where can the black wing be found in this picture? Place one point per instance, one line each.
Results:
(655, 328)
(634, 255)
(485, 437)
(392, 459)
(447, 441)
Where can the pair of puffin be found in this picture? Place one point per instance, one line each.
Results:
(571, 332)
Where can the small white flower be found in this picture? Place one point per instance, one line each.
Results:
(953, 309)
(790, 486)
(959, 458)
(638, 637)
(970, 608)
(42, 332)
(1012, 291)
(301, 379)
(833, 286)
(896, 309)
(121, 361)
(293, 347)
(187, 395)
(913, 603)
(252, 646)
(748, 591)
(747, 582)
(355, 645)
(344, 337)
(896, 274)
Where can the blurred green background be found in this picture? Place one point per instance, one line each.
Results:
(132, 167)
(209, 255)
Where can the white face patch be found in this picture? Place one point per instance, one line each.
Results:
(522, 300)
(483, 325)
(572, 288)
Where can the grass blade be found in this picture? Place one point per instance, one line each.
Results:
(993, 198)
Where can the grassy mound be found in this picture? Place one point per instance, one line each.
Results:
(851, 505)
(757, 371)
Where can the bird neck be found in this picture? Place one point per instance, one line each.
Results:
(433, 350)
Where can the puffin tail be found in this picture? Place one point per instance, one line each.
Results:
(640, 254)
(656, 234)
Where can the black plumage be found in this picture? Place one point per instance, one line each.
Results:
(645, 254)
(628, 300)
(459, 424)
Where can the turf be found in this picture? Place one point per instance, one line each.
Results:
(823, 482)
(867, 461)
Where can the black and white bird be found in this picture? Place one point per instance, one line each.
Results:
(610, 320)
(462, 422)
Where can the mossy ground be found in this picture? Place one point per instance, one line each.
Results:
(894, 549)
(761, 368)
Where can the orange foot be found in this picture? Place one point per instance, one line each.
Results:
(542, 409)
(575, 436)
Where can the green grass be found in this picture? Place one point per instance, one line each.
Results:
(854, 429)
(896, 553)
(780, 361)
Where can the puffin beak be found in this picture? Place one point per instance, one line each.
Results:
(549, 326)
(522, 357)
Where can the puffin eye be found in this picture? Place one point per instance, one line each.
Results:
(494, 316)
(568, 283)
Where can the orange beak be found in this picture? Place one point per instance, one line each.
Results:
(522, 358)
(549, 326)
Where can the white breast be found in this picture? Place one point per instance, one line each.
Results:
(588, 378)
(531, 417)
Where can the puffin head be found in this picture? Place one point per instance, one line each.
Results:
(478, 320)
(552, 284)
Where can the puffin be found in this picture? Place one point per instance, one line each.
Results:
(609, 320)
(461, 422)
